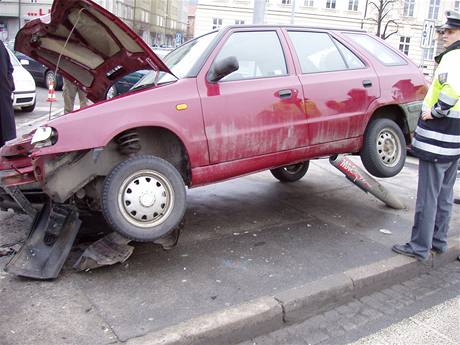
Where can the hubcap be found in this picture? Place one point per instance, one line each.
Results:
(50, 78)
(146, 198)
(389, 147)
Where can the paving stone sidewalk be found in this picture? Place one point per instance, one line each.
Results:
(326, 327)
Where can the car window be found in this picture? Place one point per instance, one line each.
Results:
(352, 61)
(317, 52)
(259, 55)
(381, 52)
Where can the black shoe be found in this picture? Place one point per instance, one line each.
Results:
(406, 249)
(456, 201)
(438, 250)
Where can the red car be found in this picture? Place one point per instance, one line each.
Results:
(229, 103)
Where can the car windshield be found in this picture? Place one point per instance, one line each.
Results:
(13, 59)
(180, 61)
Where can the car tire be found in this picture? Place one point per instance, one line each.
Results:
(291, 173)
(384, 149)
(29, 108)
(144, 198)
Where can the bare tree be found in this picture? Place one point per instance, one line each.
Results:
(383, 19)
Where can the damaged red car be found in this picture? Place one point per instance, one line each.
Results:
(229, 103)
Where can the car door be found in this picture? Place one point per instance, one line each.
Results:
(257, 109)
(338, 86)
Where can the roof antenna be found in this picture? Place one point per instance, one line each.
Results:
(62, 51)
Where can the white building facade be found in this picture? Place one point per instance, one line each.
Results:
(408, 18)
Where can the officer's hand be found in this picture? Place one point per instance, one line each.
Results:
(426, 115)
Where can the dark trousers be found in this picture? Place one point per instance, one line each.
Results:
(434, 206)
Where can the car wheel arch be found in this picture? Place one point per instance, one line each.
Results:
(156, 141)
(392, 112)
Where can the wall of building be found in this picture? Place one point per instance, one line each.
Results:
(156, 21)
(214, 13)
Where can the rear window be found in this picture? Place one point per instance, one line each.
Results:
(377, 49)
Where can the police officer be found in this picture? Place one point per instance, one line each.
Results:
(437, 145)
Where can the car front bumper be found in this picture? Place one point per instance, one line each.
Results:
(24, 98)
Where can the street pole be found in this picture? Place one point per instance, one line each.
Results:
(259, 12)
(19, 14)
(134, 17)
(365, 14)
(292, 12)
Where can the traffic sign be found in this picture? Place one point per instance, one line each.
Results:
(178, 38)
(427, 34)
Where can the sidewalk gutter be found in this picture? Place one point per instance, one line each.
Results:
(267, 314)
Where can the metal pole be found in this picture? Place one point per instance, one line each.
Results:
(19, 14)
(292, 12)
(259, 12)
(365, 14)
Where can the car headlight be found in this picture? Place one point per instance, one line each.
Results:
(44, 136)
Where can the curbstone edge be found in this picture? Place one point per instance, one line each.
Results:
(228, 326)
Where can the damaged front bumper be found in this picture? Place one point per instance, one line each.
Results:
(55, 226)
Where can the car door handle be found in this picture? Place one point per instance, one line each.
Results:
(283, 94)
(367, 83)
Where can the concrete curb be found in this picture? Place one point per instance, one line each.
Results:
(267, 314)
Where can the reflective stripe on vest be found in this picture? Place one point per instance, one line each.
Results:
(435, 149)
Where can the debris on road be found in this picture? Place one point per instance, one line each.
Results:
(365, 181)
(109, 250)
(385, 231)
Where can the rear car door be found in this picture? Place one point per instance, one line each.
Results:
(257, 109)
(338, 86)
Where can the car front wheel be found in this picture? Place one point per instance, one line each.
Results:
(384, 149)
(144, 198)
(291, 173)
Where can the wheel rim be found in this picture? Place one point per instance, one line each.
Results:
(146, 198)
(50, 79)
(389, 147)
(112, 92)
(294, 168)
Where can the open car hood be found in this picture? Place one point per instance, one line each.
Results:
(101, 48)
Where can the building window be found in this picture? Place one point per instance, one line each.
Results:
(457, 5)
(353, 5)
(309, 3)
(286, 2)
(239, 22)
(409, 8)
(433, 10)
(330, 3)
(216, 23)
(404, 43)
(428, 53)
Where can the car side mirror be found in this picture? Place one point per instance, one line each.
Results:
(222, 68)
(24, 62)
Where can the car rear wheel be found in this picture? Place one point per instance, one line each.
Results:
(291, 173)
(384, 149)
(144, 198)
(50, 77)
(112, 92)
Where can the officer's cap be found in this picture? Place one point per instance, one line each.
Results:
(453, 20)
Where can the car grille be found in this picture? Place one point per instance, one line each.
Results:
(24, 100)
